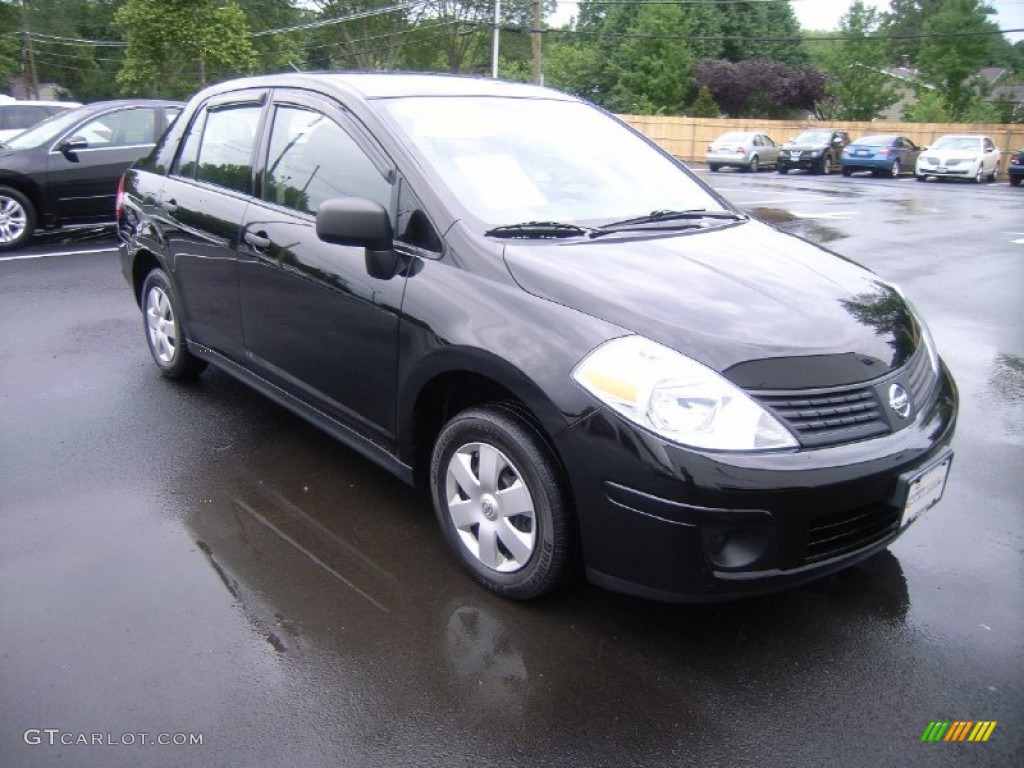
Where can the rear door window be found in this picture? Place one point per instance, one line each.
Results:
(226, 147)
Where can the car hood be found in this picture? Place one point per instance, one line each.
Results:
(731, 295)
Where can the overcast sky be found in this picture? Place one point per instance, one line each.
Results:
(825, 14)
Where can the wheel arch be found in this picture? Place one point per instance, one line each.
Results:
(29, 189)
(144, 262)
(457, 379)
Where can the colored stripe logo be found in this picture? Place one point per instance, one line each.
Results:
(958, 730)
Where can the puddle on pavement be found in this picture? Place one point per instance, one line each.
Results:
(809, 228)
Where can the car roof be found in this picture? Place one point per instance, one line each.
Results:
(385, 85)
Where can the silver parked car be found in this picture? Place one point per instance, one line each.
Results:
(746, 150)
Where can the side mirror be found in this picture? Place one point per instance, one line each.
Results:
(359, 222)
(68, 147)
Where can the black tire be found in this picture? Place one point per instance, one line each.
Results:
(1015, 181)
(826, 165)
(921, 177)
(713, 168)
(531, 551)
(894, 169)
(165, 336)
(754, 164)
(846, 171)
(783, 170)
(17, 219)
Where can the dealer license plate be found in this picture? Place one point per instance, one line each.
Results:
(924, 490)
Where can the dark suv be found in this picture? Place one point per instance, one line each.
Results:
(816, 150)
(511, 297)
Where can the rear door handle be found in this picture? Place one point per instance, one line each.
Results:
(257, 240)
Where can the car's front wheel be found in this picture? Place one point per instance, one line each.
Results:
(826, 165)
(894, 169)
(714, 167)
(500, 500)
(162, 322)
(754, 164)
(979, 175)
(17, 219)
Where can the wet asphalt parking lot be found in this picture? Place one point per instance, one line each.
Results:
(194, 563)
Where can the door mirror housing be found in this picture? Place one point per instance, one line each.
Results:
(360, 222)
(68, 147)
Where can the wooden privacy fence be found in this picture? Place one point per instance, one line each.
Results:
(688, 137)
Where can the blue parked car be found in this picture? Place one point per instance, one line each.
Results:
(883, 155)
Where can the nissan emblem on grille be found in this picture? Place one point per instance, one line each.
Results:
(899, 401)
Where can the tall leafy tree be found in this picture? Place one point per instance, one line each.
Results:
(857, 87)
(177, 46)
(950, 59)
(749, 24)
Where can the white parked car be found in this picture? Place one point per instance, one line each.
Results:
(16, 116)
(959, 156)
(749, 151)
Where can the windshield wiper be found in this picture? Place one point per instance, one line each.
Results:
(539, 229)
(654, 217)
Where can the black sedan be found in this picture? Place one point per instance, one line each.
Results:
(65, 170)
(582, 350)
(1015, 168)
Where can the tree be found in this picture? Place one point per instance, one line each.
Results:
(10, 50)
(949, 59)
(756, 88)
(857, 87)
(175, 46)
(704, 105)
(751, 21)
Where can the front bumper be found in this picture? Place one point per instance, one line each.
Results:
(955, 172)
(662, 521)
(804, 163)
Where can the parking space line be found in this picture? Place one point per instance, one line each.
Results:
(58, 253)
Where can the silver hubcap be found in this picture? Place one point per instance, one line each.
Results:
(13, 219)
(896, 168)
(160, 321)
(491, 507)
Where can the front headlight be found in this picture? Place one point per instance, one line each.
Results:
(815, 153)
(677, 398)
(926, 332)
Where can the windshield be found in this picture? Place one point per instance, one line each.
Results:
(813, 137)
(734, 138)
(519, 160)
(44, 132)
(874, 141)
(957, 142)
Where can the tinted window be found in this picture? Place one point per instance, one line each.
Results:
(119, 129)
(188, 160)
(23, 116)
(313, 159)
(225, 154)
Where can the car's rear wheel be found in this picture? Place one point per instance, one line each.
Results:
(783, 170)
(846, 171)
(894, 169)
(1015, 181)
(826, 165)
(921, 177)
(500, 500)
(754, 164)
(17, 219)
(713, 167)
(164, 332)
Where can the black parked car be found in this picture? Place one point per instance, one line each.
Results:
(818, 150)
(1015, 168)
(511, 297)
(65, 169)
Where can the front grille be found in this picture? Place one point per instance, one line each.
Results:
(844, 532)
(821, 417)
(828, 417)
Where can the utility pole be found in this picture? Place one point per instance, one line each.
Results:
(28, 58)
(538, 77)
(494, 52)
